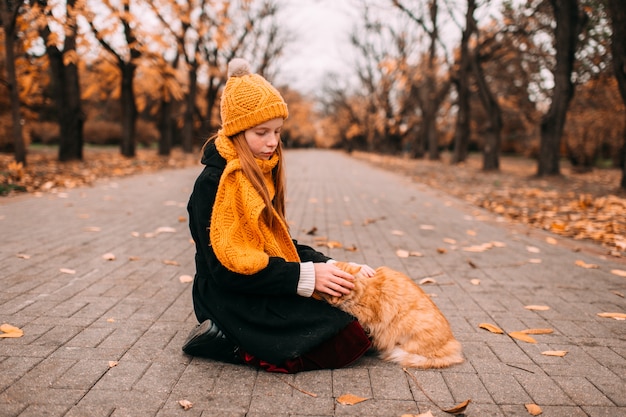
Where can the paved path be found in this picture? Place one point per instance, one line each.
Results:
(105, 340)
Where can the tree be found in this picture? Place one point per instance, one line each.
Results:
(462, 80)
(64, 76)
(126, 63)
(617, 14)
(567, 28)
(9, 11)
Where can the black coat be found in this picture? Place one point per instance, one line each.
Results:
(261, 313)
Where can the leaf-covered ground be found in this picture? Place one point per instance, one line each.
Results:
(586, 206)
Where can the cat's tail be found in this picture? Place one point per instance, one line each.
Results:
(448, 355)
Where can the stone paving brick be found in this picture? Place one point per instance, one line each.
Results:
(137, 312)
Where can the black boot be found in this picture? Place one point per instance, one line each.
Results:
(208, 341)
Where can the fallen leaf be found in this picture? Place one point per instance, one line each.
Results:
(551, 240)
(416, 254)
(185, 279)
(458, 409)
(619, 294)
(450, 241)
(537, 308)
(498, 244)
(426, 414)
(585, 265)
(427, 227)
(397, 232)
(185, 404)
(113, 364)
(351, 248)
(472, 264)
(616, 316)
(401, 253)
(618, 272)
(475, 248)
(135, 234)
(559, 353)
(350, 399)
(108, 257)
(333, 244)
(67, 271)
(347, 222)
(471, 232)
(111, 320)
(133, 258)
(475, 281)
(427, 281)
(534, 261)
(442, 250)
(23, 256)
(92, 229)
(312, 231)
(538, 331)
(170, 262)
(165, 229)
(9, 331)
(533, 249)
(533, 409)
(182, 219)
(522, 336)
(491, 327)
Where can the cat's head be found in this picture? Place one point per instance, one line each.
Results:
(338, 301)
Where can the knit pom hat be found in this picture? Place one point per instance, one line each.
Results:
(248, 99)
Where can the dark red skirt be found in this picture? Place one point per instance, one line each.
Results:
(339, 351)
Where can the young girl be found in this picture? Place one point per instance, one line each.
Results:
(253, 284)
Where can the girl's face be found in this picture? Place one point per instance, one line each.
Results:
(264, 138)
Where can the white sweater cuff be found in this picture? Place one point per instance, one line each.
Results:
(306, 285)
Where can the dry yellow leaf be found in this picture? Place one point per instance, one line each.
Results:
(618, 272)
(459, 408)
(23, 256)
(533, 249)
(401, 253)
(449, 241)
(491, 327)
(10, 331)
(475, 248)
(170, 262)
(108, 257)
(498, 244)
(397, 232)
(559, 353)
(475, 281)
(616, 316)
(133, 258)
(182, 219)
(427, 227)
(585, 265)
(416, 254)
(471, 232)
(551, 240)
(537, 308)
(538, 331)
(426, 414)
(428, 281)
(185, 279)
(523, 337)
(534, 261)
(332, 244)
(67, 271)
(113, 364)
(350, 399)
(442, 250)
(533, 409)
(185, 404)
(92, 229)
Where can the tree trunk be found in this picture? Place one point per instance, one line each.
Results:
(8, 17)
(462, 130)
(566, 33)
(617, 13)
(190, 108)
(431, 104)
(129, 109)
(165, 125)
(493, 134)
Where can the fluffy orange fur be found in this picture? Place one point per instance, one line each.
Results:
(404, 323)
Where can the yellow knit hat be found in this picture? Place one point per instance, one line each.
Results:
(248, 99)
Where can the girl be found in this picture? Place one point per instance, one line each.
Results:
(253, 284)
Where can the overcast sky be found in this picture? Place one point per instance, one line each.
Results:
(320, 45)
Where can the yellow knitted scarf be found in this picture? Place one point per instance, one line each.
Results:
(241, 239)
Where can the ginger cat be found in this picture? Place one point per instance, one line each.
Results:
(404, 323)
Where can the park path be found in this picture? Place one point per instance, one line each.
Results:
(102, 336)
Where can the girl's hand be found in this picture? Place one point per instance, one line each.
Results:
(331, 280)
